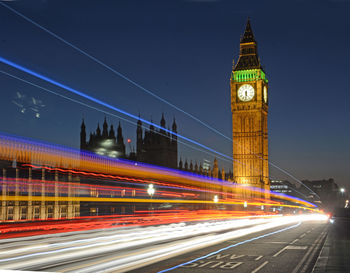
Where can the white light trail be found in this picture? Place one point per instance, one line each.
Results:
(151, 243)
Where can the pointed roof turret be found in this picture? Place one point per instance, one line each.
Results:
(174, 126)
(139, 123)
(248, 36)
(105, 129)
(111, 132)
(98, 130)
(162, 121)
(82, 135)
(186, 165)
(119, 128)
(120, 139)
(83, 125)
(180, 164)
(151, 127)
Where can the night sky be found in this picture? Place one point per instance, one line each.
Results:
(183, 51)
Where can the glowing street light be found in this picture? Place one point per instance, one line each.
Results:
(216, 199)
(150, 190)
(245, 204)
(342, 190)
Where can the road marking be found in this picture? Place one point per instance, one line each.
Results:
(314, 247)
(259, 267)
(277, 242)
(308, 231)
(296, 240)
(279, 252)
(258, 258)
(231, 246)
(291, 248)
(302, 235)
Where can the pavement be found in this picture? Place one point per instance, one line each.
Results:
(335, 254)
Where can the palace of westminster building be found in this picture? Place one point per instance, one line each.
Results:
(249, 106)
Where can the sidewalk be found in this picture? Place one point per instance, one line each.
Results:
(335, 253)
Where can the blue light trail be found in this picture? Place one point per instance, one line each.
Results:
(108, 113)
(114, 71)
(146, 90)
(81, 94)
(90, 98)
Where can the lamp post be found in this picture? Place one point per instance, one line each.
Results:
(215, 200)
(151, 191)
(245, 204)
(342, 191)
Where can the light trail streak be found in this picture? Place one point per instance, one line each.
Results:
(143, 258)
(230, 246)
(140, 218)
(107, 105)
(314, 217)
(140, 200)
(139, 237)
(163, 239)
(209, 150)
(130, 236)
(114, 70)
(150, 93)
(30, 151)
(109, 113)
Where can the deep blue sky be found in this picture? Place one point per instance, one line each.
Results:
(183, 51)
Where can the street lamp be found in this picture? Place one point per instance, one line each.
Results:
(342, 190)
(151, 191)
(216, 199)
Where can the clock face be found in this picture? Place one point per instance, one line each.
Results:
(246, 92)
(265, 94)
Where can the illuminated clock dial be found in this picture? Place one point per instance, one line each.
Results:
(265, 94)
(246, 92)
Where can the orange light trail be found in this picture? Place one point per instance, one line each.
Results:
(29, 152)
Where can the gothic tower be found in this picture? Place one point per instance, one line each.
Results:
(249, 106)
(82, 136)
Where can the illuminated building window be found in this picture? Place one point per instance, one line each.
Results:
(23, 213)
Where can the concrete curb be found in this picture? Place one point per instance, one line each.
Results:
(322, 260)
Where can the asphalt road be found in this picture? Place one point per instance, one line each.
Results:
(294, 250)
(282, 244)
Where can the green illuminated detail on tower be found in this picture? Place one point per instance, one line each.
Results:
(248, 75)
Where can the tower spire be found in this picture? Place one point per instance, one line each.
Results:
(248, 36)
(82, 135)
(248, 54)
(105, 129)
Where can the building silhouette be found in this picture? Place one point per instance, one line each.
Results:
(153, 146)
(105, 142)
(157, 147)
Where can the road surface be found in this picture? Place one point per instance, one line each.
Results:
(279, 244)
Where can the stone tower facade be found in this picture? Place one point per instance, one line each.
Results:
(249, 106)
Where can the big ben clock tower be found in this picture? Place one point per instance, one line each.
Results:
(249, 106)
